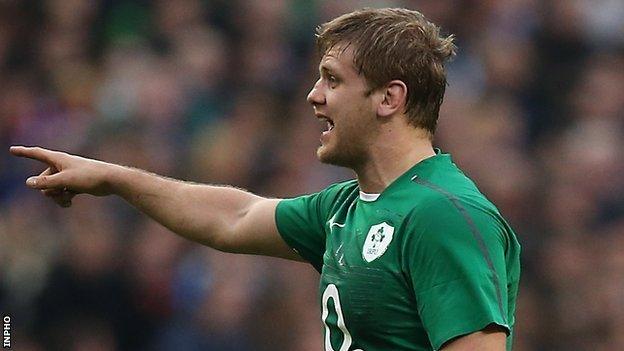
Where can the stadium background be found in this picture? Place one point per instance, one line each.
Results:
(214, 91)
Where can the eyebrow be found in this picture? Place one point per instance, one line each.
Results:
(327, 69)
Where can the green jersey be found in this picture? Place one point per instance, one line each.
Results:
(427, 260)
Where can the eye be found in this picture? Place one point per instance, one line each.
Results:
(333, 81)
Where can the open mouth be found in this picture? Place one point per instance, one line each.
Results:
(329, 123)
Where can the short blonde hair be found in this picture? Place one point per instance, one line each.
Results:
(394, 44)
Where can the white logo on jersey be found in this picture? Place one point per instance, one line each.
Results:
(377, 241)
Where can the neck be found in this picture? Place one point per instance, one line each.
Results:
(396, 151)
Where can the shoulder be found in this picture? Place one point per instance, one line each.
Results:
(336, 193)
(320, 202)
(450, 189)
(330, 193)
(341, 188)
(448, 210)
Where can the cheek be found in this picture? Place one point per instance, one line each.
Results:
(350, 109)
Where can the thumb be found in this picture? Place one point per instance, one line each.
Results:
(45, 181)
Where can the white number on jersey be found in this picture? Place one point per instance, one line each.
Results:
(331, 292)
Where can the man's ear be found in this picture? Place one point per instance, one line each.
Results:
(394, 99)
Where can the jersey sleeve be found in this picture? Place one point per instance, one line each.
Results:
(454, 255)
(301, 222)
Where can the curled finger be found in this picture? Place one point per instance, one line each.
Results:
(63, 199)
(52, 192)
(49, 171)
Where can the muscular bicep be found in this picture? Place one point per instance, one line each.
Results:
(492, 338)
(255, 232)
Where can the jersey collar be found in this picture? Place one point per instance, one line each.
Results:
(368, 197)
(409, 175)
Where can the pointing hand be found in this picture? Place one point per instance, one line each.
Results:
(66, 175)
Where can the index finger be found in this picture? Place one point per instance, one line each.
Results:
(35, 153)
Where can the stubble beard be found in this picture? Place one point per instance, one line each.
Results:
(344, 150)
(349, 145)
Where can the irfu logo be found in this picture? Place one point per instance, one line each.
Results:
(377, 241)
(378, 237)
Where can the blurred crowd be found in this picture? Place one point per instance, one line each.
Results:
(214, 91)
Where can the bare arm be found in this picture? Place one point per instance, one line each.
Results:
(225, 218)
(492, 338)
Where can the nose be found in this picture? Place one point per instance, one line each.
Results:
(316, 96)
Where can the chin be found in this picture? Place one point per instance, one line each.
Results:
(332, 157)
(322, 154)
(326, 155)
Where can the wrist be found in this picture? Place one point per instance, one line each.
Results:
(114, 178)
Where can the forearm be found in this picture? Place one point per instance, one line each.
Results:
(221, 217)
(202, 213)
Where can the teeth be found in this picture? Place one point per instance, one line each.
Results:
(330, 123)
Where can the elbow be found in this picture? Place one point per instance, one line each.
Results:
(221, 244)
(223, 240)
